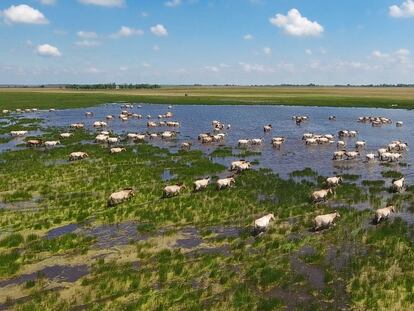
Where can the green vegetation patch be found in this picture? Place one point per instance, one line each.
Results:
(392, 174)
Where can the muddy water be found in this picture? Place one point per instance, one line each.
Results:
(57, 232)
(248, 121)
(58, 273)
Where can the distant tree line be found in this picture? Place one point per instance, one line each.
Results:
(112, 86)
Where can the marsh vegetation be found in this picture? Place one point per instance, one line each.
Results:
(62, 247)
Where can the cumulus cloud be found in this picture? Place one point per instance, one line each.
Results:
(107, 3)
(48, 50)
(173, 3)
(159, 30)
(401, 56)
(406, 9)
(23, 14)
(212, 68)
(248, 37)
(379, 54)
(246, 67)
(92, 70)
(295, 24)
(267, 50)
(87, 34)
(127, 32)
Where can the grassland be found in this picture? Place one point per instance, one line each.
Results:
(304, 96)
(194, 251)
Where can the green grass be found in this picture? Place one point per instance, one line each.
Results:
(392, 174)
(304, 96)
(370, 269)
(222, 152)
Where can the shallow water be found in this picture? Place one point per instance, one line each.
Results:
(59, 231)
(248, 122)
(58, 273)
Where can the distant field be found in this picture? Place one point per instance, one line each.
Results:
(303, 96)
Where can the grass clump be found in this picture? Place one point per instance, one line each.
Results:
(12, 240)
(307, 172)
(63, 243)
(9, 263)
(222, 152)
(16, 196)
(350, 177)
(392, 174)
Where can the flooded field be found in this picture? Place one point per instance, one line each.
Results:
(66, 244)
(248, 121)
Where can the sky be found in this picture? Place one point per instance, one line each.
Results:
(207, 41)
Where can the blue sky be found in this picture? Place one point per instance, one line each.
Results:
(207, 41)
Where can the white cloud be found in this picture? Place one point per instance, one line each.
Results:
(379, 54)
(403, 52)
(308, 51)
(48, 50)
(159, 30)
(123, 68)
(107, 3)
(406, 9)
(87, 43)
(173, 3)
(295, 24)
(156, 48)
(248, 37)
(253, 68)
(401, 56)
(23, 14)
(144, 14)
(48, 2)
(212, 68)
(146, 65)
(92, 70)
(267, 50)
(127, 32)
(87, 34)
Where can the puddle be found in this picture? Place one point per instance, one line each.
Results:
(306, 251)
(191, 238)
(226, 232)
(57, 232)
(314, 275)
(339, 258)
(361, 206)
(292, 298)
(57, 273)
(110, 235)
(167, 175)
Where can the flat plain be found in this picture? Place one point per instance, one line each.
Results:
(62, 246)
(374, 97)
